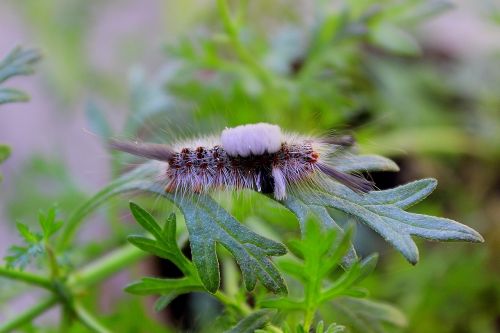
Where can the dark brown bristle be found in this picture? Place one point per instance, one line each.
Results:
(357, 184)
(153, 151)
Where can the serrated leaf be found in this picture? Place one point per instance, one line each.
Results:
(151, 246)
(208, 224)
(48, 222)
(21, 256)
(28, 236)
(18, 62)
(365, 316)
(356, 273)
(254, 321)
(165, 245)
(9, 95)
(382, 211)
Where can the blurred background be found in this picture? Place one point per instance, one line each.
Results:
(416, 81)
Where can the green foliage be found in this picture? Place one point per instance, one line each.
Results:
(36, 243)
(318, 253)
(17, 62)
(209, 223)
(165, 246)
(358, 65)
(383, 211)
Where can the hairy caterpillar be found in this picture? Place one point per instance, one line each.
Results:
(255, 156)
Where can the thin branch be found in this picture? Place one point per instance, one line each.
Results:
(26, 277)
(28, 315)
(89, 320)
(106, 266)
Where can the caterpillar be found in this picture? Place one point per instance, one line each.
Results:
(254, 156)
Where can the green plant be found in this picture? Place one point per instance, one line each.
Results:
(328, 82)
(208, 223)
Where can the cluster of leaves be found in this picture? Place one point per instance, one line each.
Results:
(36, 243)
(208, 224)
(17, 62)
(317, 255)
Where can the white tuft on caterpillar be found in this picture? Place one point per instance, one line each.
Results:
(253, 156)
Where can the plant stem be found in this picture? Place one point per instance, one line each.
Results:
(106, 266)
(26, 277)
(89, 320)
(28, 315)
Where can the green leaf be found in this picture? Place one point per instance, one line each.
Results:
(164, 245)
(9, 95)
(18, 62)
(146, 221)
(356, 273)
(383, 212)
(28, 236)
(21, 256)
(48, 222)
(208, 224)
(366, 316)
(254, 321)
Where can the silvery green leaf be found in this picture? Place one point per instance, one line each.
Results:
(208, 223)
(383, 212)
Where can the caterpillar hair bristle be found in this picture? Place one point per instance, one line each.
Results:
(254, 156)
(152, 151)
